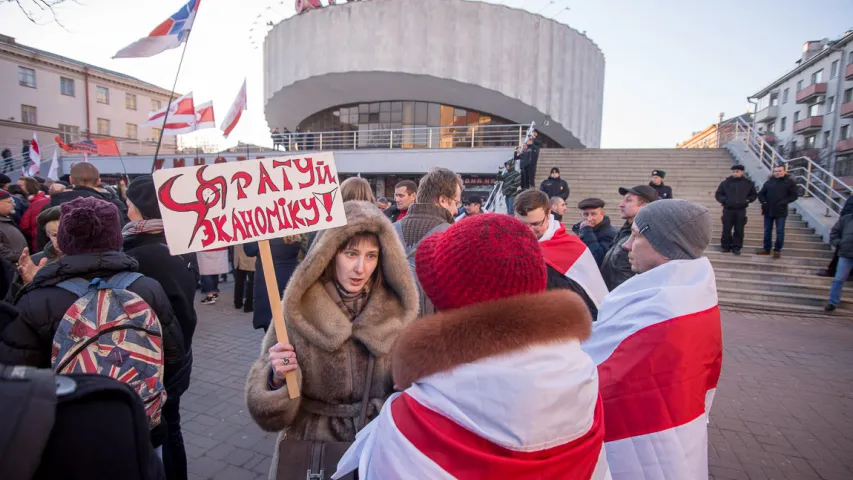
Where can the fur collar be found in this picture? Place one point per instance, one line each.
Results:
(441, 342)
(311, 311)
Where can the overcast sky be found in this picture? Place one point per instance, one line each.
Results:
(672, 65)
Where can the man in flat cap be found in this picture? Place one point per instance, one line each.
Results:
(615, 268)
(735, 194)
(664, 191)
(595, 230)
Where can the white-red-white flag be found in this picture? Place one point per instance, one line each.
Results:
(235, 112)
(570, 256)
(659, 350)
(35, 158)
(204, 117)
(181, 110)
(53, 173)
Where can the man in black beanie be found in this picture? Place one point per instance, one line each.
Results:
(145, 240)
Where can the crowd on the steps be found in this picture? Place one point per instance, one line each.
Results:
(431, 338)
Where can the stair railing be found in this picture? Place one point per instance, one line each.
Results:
(814, 180)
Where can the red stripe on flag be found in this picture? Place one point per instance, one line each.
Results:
(465, 455)
(562, 250)
(657, 378)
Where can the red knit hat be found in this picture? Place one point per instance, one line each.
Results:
(482, 258)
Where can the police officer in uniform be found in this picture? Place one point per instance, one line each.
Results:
(735, 194)
(664, 191)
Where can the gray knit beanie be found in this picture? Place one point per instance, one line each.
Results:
(677, 229)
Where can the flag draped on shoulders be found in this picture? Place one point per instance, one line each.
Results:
(170, 34)
(658, 347)
(568, 255)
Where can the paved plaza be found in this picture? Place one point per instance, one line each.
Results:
(784, 406)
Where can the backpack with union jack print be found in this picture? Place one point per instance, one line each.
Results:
(113, 332)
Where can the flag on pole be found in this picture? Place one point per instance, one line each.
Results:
(181, 110)
(233, 115)
(659, 350)
(170, 34)
(95, 146)
(32, 168)
(570, 256)
(203, 119)
(53, 173)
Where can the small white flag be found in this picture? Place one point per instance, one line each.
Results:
(53, 173)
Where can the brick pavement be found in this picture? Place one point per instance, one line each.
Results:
(784, 406)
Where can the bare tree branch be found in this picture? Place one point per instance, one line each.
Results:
(44, 5)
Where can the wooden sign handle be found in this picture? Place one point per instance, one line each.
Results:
(277, 311)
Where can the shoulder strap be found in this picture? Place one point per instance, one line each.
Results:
(77, 286)
(365, 398)
(123, 280)
(28, 401)
(398, 229)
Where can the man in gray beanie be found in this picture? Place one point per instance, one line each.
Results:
(664, 231)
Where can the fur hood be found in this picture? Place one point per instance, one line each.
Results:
(311, 311)
(440, 342)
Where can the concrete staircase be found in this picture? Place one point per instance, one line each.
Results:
(788, 284)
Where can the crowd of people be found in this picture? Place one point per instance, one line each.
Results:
(432, 339)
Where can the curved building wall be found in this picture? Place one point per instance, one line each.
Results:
(454, 52)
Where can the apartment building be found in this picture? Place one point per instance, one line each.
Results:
(809, 110)
(58, 96)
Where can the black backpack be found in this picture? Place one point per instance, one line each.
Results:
(72, 427)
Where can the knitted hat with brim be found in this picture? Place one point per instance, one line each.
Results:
(89, 225)
(508, 262)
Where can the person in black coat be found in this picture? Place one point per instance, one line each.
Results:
(285, 257)
(776, 194)
(595, 230)
(145, 241)
(664, 191)
(527, 165)
(554, 186)
(847, 209)
(90, 237)
(735, 194)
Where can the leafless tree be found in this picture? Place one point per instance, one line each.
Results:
(35, 9)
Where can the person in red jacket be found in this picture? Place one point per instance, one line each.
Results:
(38, 200)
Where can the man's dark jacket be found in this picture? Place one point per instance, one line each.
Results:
(776, 195)
(558, 281)
(664, 191)
(81, 192)
(615, 268)
(841, 236)
(555, 187)
(736, 193)
(391, 212)
(597, 239)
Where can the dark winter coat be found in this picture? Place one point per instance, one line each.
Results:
(82, 192)
(175, 274)
(776, 195)
(392, 212)
(526, 158)
(736, 193)
(21, 207)
(664, 191)
(615, 268)
(848, 207)
(555, 187)
(841, 236)
(558, 281)
(285, 258)
(597, 239)
(12, 241)
(511, 179)
(332, 349)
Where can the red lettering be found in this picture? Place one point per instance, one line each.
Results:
(247, 219)
(327, 199)
(275, 213)
(198, 161)
(265, 181)
(259, 217)
(246, 179)
(220, 160)
(221, 235)
(207, 231)
(177, 162)
(293, 210)
(158, 163)
(325, 174)
(259, 157)
(237, 226)
(285, 163)
(311, 203)
(308, 168)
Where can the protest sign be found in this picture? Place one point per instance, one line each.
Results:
(214, 206)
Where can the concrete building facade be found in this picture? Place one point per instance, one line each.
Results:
(57, 96)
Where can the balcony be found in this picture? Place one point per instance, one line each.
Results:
(813, 153)
(808, 93)
(767, 115)
(808, 125)
(847, 110)
(844, 146)
(769, 138)
(848, 72)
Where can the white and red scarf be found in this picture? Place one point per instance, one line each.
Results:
(658, 347)
(570, 256)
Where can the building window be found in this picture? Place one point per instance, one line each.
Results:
(826, 139)
(783, 124)
(771, 127)
(809, 142)
(28, 114)
(848, 95)
(796, 117)
(830, 104)
(774, 99)
(156, 105)
(155, 133)
(26, 77)
(814, 110)
(850, 59)
(103, 95)
(785, 95)
(130, 130)
(817, 77)
(799, 85)
(103, 126)
(130, 101)
(66, 86)
(69, 133)
(845, 132)
(833, 72)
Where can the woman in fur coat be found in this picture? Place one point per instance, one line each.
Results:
(349, 299)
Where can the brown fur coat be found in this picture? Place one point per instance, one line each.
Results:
(332, 350)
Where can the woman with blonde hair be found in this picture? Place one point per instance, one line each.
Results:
(344, 308)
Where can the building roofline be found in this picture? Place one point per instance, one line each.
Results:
(847, 38)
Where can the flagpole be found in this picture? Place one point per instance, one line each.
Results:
(172, 95)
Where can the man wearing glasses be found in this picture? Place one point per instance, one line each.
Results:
(571, 265)
(615, 268)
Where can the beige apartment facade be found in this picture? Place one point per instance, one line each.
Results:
(57, 96)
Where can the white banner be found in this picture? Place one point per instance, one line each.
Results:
(215, 206)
